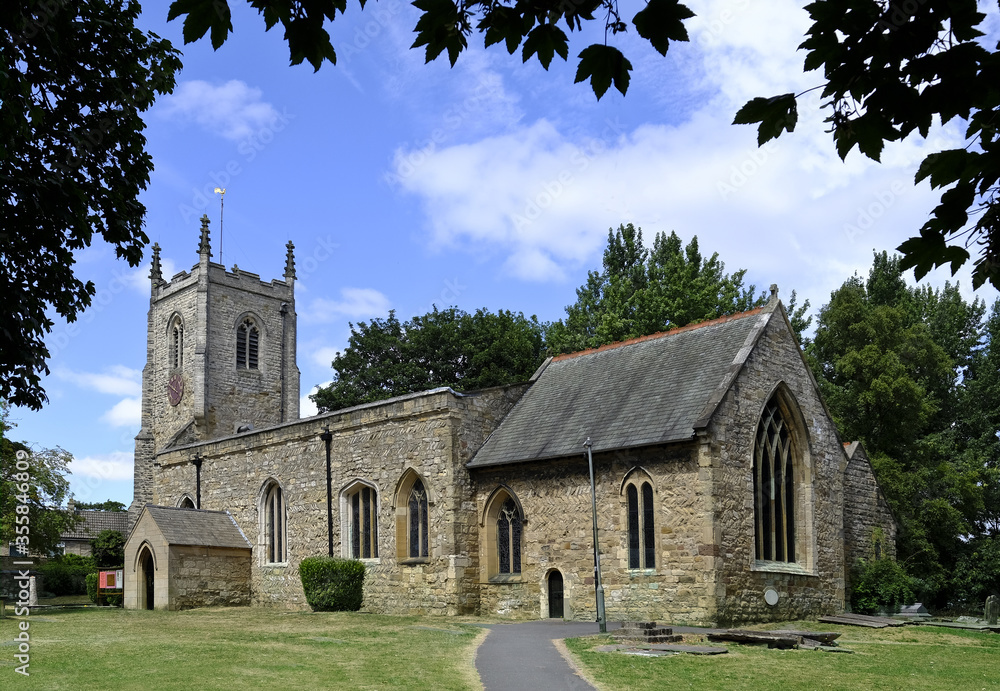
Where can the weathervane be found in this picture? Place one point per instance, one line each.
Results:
(222, 208)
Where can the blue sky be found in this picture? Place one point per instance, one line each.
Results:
(491, 184)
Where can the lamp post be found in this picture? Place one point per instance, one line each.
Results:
(327, 437)
(599, 587)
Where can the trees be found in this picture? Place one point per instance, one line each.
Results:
(642, 291)
(450, 347)
(905, 371)
(77, 77)
(890, 69)
(35, 480)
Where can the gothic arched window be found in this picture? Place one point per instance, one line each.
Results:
(774, 487)
(639, 510)
(360, 503)
(247, 344)
(416, 518)
(273, 526)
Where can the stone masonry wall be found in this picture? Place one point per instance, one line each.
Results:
(209, 577)
(432, 434)
(558, 534)
(869, 526)
(815, 585)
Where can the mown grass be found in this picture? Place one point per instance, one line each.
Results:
(239, 648)
(885, 659)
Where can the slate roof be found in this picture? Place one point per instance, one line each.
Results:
(197, 527)
(651, 390)
(96, 521)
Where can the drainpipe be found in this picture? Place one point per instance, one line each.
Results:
(327, 438)
(599, 587)
(196, 461)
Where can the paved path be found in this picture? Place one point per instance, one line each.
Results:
(515, 657)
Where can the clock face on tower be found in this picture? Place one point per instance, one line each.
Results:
(175, 388)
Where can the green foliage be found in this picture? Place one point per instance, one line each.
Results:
(444, 26)
(450, 347)
(332, 584)
(66, 574)
(642, 292)
(890, 70)
(40, 488)
(908, 372)
(977, 574)
(108, 548)
(108, 598)
(77, 77)
(879, 585)
(109, 505)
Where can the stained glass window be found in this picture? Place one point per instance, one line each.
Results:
(509, 538)
(641, 536)
(417, 516)
(274, 526)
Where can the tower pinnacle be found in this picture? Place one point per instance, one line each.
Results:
(204, 246)
(155, 273)
(290, 261)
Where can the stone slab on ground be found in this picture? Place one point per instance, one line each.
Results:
(849, 619)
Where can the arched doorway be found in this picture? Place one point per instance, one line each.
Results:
(555, 595)
(146, 580)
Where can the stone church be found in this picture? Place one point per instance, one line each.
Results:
(723, 490)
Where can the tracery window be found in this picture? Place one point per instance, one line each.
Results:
(641, 534)
(416, 514)
(274, 528)
(247, 344)
(774, 487)
(509, 531)
(362, 522)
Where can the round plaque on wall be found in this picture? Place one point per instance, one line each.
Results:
(771, 596)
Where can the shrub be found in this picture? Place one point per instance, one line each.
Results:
(332, 584)
(64, 575)
(108, 548)
(113, 599)
(879, 585)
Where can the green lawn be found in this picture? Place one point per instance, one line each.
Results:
(239, 648)
(243, 648)
(911, 657)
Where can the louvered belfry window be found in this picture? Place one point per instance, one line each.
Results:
(774, 487)
(247, 345)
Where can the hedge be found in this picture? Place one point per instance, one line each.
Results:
(64, 575)
(332, 584)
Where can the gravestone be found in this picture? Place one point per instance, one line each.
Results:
(992, 609)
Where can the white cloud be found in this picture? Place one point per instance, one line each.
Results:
(355, 302)
(323, 356)
(116, 379)
(138, 279)
(125, 413)
(306, 407)
(117, 465)
(232, 110)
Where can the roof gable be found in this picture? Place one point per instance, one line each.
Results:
(650, 390)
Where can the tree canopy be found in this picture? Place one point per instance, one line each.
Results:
(35, 480)
(450, 347)
(642, 291)
(76, 78)
(911, 372)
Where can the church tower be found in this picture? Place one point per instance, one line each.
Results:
(220, 358)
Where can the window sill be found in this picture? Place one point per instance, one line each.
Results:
(781, 567)
(413, 561)
(641, 572)
(501, 578)
(275, 564)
